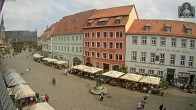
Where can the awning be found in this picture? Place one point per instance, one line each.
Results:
(61, 62)
(52, 60)
(46, 58)
(7, 72)
(114, 74)
(150, 80)
(36, 55)
(14, 79)
(22, 90)
(131, 77)
(87, 68)
(39, 106)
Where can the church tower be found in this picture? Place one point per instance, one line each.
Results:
(2, 29)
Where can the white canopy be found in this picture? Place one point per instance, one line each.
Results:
(52, 60)
(114, 74)
(87, 68)
(36, 55)
(7, 72)
(131, 77)
(150, 80)
(46, 58)
(22, 91)
(13, 79)
(61, 62)
(39, 106)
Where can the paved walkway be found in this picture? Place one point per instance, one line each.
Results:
(72, 92)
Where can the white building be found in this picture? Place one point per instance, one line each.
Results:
(162, 48)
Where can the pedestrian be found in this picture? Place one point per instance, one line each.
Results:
(140, 105)
(54, 81)
(101, 97)
(66, 72)
(27, 56)
(37, 96)
(46, 98)
(161, 107)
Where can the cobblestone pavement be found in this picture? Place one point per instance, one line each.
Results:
(72, 92)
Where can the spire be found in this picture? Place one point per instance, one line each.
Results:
(2, 21)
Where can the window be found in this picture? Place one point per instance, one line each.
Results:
(97, 64)
(167, 29)
(104, 34)
(153, 40)
(102, 23)
(119, 45)
(98, 54)
(147, 28)
(115, 67)
(150, 72)
(111, 44)
(117, 34)
(132, 70)
(173, 42)
(104, 45)
(121, 34)
(59, 48)
(134, 56)
(80, 37)
(191, 59)
(192, 44)
(104, 56)
(98, 44)
(163, 41)
(93, 34)
(68, 38)
(134, 39)
(143, 57)
(72, 49)
(144, 39)
(182, 60)
(65, 48)
(183, 43)
(117, 21)
(80, 49)
(189, 31)
(88, 44)
(98, 34)
(142, 71)
(172, 59)
(92, 54)
(76, 49)
(152, 57)
(118, 56)
(111, 34)
(160, 73)
(93, 44)
(162, 58)
(85, 44)
(72, 38)
(89, 24)
(76, 38)
(110, 56)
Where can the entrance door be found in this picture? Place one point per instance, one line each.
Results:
(170, 75)
(106, 67)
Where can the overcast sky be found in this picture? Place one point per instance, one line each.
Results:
(32, 14)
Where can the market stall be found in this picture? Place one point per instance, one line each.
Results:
(112, 77)
(39, 106)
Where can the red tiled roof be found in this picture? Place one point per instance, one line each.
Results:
(178, 28)
(115, 11)
(48, 33)
(73, 23)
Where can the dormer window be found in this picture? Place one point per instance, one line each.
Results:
(147, 28)
(188, 31)
(89, 23)
(167, 29)
(117, 21)
(103, 21)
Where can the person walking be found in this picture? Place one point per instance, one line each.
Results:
(46, 98)
(66, 72)
(37, 96)
(161, 107)
(54, 81)
(101, 97)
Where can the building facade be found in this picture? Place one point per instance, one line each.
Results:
(67, 42)
(104, 37)
(162, 48)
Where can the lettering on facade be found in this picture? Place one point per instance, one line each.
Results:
(172, 50)
(150, 67)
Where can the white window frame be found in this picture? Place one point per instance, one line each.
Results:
(153, 41)
(162, 41)
(152, 57)
(109, 56)
(162, 58)
(192, 44)
(173, 42)
(103, 44)
(172, 59)
(134, 56)
(143, 56)
(182, 60)
(191, 61)
(103, 55)
(143, 40)
(134, 40)
(99, 45)
(183, 43)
